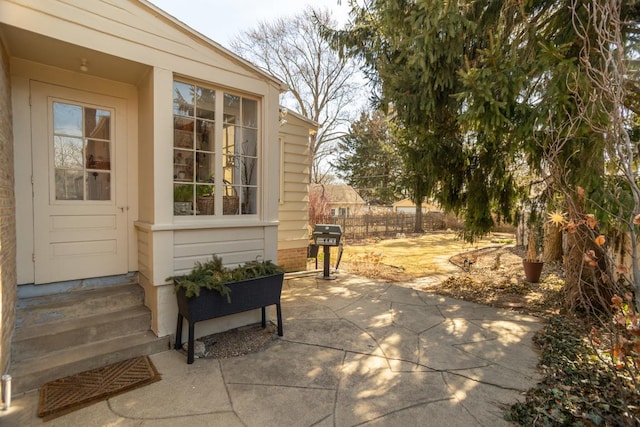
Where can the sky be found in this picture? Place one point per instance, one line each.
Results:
(222, 21)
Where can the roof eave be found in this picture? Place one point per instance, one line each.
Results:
(282, 86)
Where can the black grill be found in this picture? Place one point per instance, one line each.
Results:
(327, 234)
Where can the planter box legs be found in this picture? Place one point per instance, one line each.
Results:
(190, 346)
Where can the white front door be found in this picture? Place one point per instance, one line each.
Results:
(79, 183)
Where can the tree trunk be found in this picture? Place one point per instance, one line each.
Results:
(584, 291)
(417, 228)
(552, 243)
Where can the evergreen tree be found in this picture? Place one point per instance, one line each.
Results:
(414, 51)
(368, 159)
(560, 75)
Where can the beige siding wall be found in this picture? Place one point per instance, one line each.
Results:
(145, 253)
(8, 277)
(293, 234)
(233, 245)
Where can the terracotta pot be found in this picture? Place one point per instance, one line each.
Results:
(532, 270)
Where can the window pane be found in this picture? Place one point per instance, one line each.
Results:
(97, 123)
(206, 103)
(67, 152)
(249, 197)
(205, 199)
(229, 133)
(231, 108)
(67, 119)
(97, 155)
(249, 112)
(183, 165)
(230, 201)
(229, 118)
(69, 184)
(231, 168)
(205, 138)
(205, 167)
(183, 102)
(182, 199)
(250, 142)
(183, 132)
(98, 186)
(248, 171)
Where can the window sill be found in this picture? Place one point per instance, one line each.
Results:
(193, 224)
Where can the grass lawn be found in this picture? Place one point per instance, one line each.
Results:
(415, 256)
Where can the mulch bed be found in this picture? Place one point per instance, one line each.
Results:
(238, 342)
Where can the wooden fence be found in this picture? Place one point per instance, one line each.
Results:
(388, 225)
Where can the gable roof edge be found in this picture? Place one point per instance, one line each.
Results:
(301, 117)
(221, 49)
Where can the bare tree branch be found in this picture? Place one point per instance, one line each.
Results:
(322, 84)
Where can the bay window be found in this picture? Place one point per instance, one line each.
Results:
(215, 151)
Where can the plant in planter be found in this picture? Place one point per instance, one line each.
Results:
(210, 275)
(531, 263)
(211, 290)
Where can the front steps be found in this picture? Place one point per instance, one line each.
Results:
(70, 332)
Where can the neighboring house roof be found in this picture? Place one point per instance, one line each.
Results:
(407, 203)
(339, 194)
(285, 112)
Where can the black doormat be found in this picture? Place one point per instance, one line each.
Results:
(68, 394)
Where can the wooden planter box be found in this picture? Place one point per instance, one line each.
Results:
(245, 295)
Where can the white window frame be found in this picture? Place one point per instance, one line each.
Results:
(219, 209)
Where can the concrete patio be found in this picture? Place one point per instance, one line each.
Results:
(354, 352)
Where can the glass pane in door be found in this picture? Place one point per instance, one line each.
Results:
(67, 152)
(98, 185)
(69, 185)
(98, 155)
(82, 150)
(96, 123)
(67, 119)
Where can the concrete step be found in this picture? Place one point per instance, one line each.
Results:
(43, 310)
(72, 331)
(38, 340)
(30, 374)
